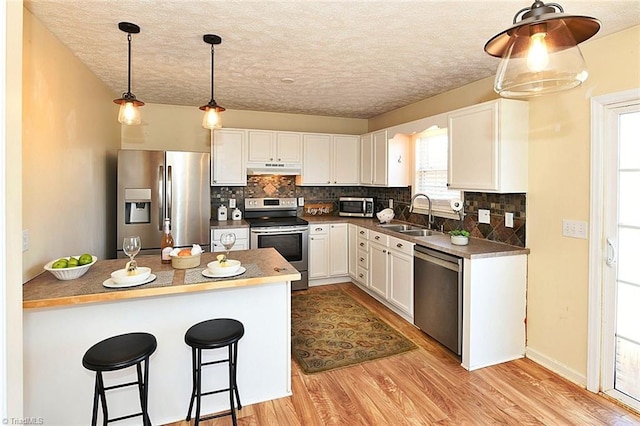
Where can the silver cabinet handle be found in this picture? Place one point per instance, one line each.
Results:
(377, 237)
(384, 251)
(361, 244)
(361, 232)
(361, 275)
(611, 253)
(399, 245)
(362, 259)
(318, 229)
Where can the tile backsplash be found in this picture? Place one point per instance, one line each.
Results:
(285, 186)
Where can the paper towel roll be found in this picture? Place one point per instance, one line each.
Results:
(456, 205)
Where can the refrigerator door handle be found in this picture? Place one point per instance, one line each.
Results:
(169, 192)
(160, 197)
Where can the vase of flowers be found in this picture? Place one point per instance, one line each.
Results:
(459, 237)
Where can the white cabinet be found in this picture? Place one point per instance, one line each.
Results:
(228, 157)
(378, 264)
(328, 250)
(488, 147)
(385, 161)
(353, 250)
(401, 274)
(266, 146)
(242, 239)
(330, 159)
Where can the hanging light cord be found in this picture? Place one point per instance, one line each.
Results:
(212, 53)
(129, 68)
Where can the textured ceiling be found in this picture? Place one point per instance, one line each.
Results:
(353, 59)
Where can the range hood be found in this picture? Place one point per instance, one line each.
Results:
(274, 169)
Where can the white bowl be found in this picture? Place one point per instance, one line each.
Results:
(69, 273)
(385, 216)
(229, 266)
(122, 276)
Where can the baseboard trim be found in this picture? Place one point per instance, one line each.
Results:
(332, 280)
(557, 367)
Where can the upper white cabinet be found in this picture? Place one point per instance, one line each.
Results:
(268, 146)
(330, 159)
(384, 161)
(488, 147)
(228, 157)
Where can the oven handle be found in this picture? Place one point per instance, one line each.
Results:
(279, 231)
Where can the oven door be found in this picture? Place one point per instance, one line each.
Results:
(290, 241)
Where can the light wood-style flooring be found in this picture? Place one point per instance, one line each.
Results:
(428, 386)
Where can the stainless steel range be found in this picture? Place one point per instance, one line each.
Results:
(274, 223)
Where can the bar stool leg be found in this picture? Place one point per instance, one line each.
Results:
(103, 397)
(193, 382)
(143, 391)
(96, 393)
(199, 386)
(231, 387)
(235, 377)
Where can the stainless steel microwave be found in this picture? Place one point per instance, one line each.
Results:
(356, 206)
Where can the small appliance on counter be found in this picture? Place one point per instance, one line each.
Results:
(355, 206)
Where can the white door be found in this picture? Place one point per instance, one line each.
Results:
(619, 205)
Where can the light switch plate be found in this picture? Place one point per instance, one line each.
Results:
(484, 216)
(232, 203)
(574, 229)
(25, 240)
(508, 220)
(390, 203)
(301, 201)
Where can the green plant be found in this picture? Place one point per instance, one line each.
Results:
(459, 232)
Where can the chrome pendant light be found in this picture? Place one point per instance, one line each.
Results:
(212, 110)
(129, 113)
(540, 53)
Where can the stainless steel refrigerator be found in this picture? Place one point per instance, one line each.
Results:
(153, 185)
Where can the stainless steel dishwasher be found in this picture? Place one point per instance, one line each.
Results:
(437, 301)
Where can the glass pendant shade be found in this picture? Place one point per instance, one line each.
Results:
(212, 110)
(129, 113)
(540, 54)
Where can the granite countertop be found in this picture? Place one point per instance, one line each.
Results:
(477, 247)
(224, 224)
(263, 266)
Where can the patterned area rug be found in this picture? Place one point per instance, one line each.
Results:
(331, 330)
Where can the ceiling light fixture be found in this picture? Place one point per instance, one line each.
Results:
(212, 110)
(540, 54)
(129, 113)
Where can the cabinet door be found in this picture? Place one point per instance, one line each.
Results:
(473, 150)
(378, 270)
(401, 281)
(261, 146)
(318, 256)
(366, 159)
(228, 150)
(288, 147)
(353, 250)
(346, 159)
(316, 169)
(338, 250)
(380, 158)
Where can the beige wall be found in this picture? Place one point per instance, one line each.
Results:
(559, 155)
(177, 127)
(70, 137)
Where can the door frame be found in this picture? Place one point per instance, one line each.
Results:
(597, 322)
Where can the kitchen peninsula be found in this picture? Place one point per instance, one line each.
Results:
(62, 319)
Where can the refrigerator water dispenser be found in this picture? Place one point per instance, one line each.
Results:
(137, 205)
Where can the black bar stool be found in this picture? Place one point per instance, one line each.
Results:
(116, 353)
(214, 334)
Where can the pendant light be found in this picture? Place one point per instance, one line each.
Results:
(129, 113)
(212, 110)
(540, 53)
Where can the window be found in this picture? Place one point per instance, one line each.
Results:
(430, 177)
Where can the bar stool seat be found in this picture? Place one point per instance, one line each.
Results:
(214, 334)
(116, 353)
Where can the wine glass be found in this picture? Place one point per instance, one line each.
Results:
(131, 247)
(227, 239)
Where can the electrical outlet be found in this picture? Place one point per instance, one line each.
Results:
(232, 203)
(508, 220)
(25, 239)
(390, 203)
(484, 216)
(301, 201)
(574, 228)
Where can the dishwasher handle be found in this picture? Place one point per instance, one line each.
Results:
(451, 265)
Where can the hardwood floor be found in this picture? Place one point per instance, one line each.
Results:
(428, 386)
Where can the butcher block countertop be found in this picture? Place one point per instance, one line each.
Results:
(477, 247)
(263, 266)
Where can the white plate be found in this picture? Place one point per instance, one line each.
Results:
(207, 273)
(111, 284)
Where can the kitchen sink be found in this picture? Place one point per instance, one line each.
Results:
(397, 227)
(420, 232)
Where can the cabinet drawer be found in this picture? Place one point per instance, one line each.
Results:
(363, 244)
(402, 246)
(378, 237)
(318, 229)
(363, 259)
(363, 232)
(362, 276)
(241, 233)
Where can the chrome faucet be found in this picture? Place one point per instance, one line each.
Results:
(429, 200)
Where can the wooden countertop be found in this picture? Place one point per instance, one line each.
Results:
(477, 247)
(263, 266)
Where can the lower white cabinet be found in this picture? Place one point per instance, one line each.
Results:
(242, 239)
(400, 275)
(328, 250)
